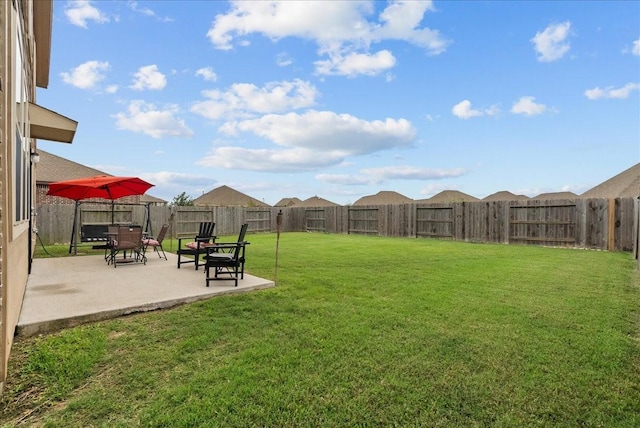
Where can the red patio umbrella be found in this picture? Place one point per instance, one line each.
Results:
(100, 186)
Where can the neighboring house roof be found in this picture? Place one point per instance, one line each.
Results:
(315, 201)
(505, 196)
(52, 168)
(450, 196)
(225, 196)
(555, 195)
(624, 185)
(151, 199)
(384, 197)
(288, 202)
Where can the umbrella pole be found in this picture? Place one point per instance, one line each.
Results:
(278, 227)
(147, 223)
(112, 204)
(74, 243)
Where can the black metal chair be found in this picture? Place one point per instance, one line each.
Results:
(197, 246)
(112, 236)
(156, 242)
(226, 258)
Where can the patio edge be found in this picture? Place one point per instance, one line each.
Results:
(51, 326)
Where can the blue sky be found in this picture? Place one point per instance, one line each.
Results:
(343, 99)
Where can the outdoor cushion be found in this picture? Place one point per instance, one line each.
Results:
(194, 245)
(219, 256)
(151, 241)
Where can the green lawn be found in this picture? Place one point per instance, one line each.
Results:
(360, 331)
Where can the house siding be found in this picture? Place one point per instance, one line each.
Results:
(16, 238)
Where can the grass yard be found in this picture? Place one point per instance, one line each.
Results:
(360, 331)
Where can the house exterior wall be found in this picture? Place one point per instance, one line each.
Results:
(4, 31)
(43, 199)
(16, 29)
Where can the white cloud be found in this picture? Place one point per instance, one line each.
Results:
(176, 179)
(492, 111)
(373, 176)
(207, 74)
(170, 184)
(401, 20)
(87, 75)
(354, 64)
(271, 160)
(326, 131)
(246, 99)
(463, 110)
(283, 59)
(611, 92)
(636, 47)
(413, 173)
(346, 179)
(528, 107)
(145, 118)
(342, 30)
(79, 12)
(311, 20)
(308, 141)
(135, 6)
(148, 77)
(551, 44)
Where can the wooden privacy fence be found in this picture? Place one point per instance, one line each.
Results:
(54, 222)
(606, 224)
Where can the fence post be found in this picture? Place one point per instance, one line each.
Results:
(636, 230)
(278, 227)
(611, 226)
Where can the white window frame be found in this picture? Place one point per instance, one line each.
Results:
(20, 166)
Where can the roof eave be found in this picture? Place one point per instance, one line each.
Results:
(42, 24)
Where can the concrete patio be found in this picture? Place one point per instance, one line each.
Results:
(67, 291)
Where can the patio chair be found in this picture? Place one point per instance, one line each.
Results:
(226, 258)
(156, 242)
(129, 238)
(196, 246)
(112, 235)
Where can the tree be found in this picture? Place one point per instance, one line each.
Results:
(182, 200)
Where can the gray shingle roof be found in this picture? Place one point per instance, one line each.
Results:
(225, 196)
(287, 202)
(384, 197)
(315, 201)
(505, 196)
(151, 199)
(52, 168)
(555, 196)
(450, 196)
(624, 185)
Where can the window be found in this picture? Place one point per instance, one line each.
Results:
(21, 149)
